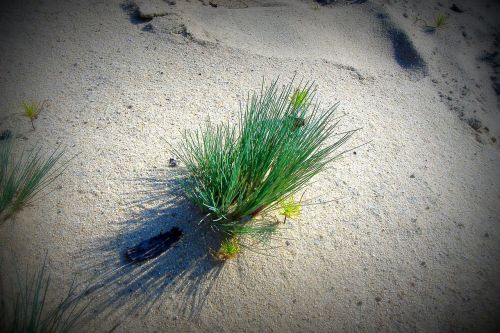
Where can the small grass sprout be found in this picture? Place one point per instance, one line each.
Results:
(229, 248)
(239, 175)
(31, 110)
(298, 98)
(440, 21)
(290, 208)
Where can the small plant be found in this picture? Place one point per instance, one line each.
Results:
(31, 110)
(298, 98)
(229, 248)
(440, 21)
(22, 177)
(29, 311)
(240, 176)
(290, 208)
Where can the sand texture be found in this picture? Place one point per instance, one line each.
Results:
(400, 235)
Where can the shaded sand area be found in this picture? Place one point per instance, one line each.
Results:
(402, 234)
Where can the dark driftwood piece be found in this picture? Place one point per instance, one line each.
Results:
(153, 247)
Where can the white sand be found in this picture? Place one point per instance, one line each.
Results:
(411, 244)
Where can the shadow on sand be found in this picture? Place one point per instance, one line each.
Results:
(405, 53)
(187, 270)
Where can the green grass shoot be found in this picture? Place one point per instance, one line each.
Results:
(298, 98)
(440, 21)
(239, 173)
(31, 110)
(290, 208)
(229, 249)
(23, 175)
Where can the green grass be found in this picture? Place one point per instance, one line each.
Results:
(31, 110)
(290, 208)
(29, 311)
(24, 175)
(440, 21)
(298, 98)
(237, 173)
(229, 249)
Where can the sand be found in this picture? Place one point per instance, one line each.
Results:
(404, 235)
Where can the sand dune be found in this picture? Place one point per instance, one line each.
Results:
(410, 240)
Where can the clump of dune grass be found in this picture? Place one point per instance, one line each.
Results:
(31, 110)
(29, 310)
(23, 175)
(240, 175)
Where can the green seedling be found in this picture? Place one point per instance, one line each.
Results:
(229, 249)
(440, 21)
(31, 110)
(290, 208)
(299, 98)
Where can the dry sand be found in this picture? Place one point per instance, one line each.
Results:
(411, 241)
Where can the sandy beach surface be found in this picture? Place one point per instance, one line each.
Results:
(400, 235)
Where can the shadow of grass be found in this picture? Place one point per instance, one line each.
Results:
(186, 269)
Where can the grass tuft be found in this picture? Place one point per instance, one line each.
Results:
(298, 98)
(23, 177)
(31, 110)
(229, 249)
(29, 311)
(237, 173)
(440, 21)
(290, 208)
